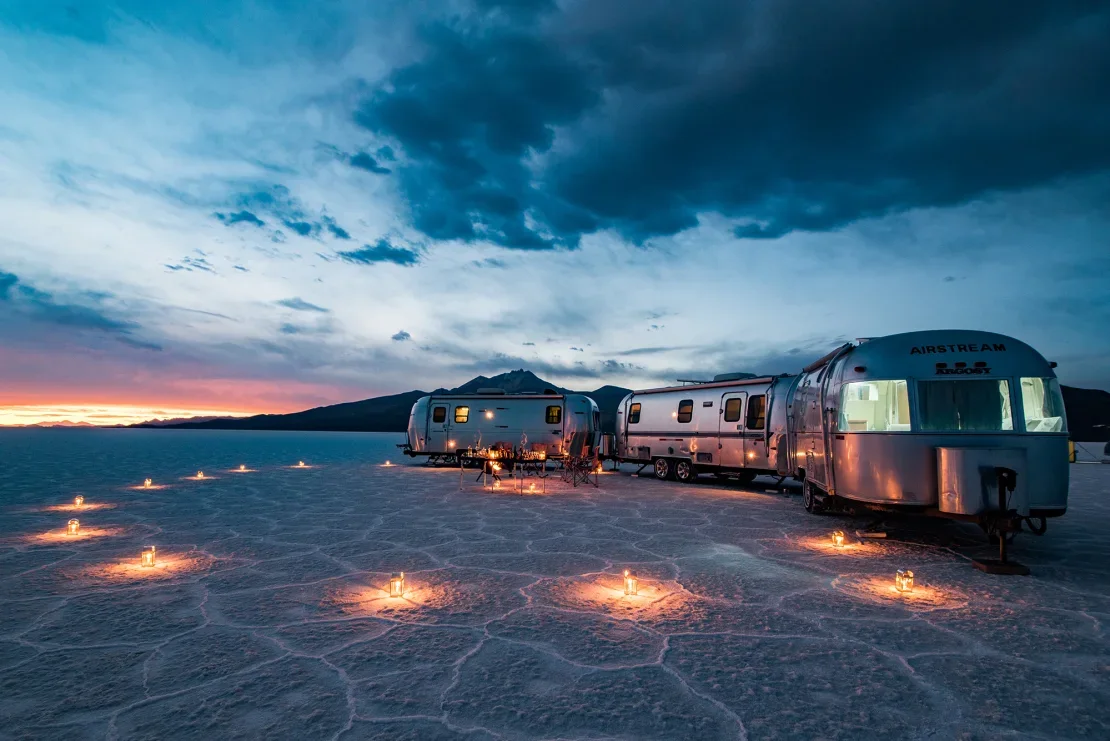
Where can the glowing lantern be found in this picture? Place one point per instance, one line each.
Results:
(200, 474)
(451, 444)
(388, 463)
(147, 557)
(631, 583)
(532, 486)
(73, 527)
(489, 415)
(751, 455)
(903, 580)
(598, 469)
(838, 538)
(397, 584)
(300, 464)
(147, 483)
(242, 466)
(496, 484)
(78, 500)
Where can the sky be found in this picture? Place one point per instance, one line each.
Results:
(239, 206)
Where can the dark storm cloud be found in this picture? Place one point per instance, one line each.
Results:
(364, 161)
(401, 336)
(298, 304)
(785, 115)
(382, 251)
(278, 202)
(22, 302)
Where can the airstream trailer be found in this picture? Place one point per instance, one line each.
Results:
(559, 424)
(930, 421)
(938, 422)
(720, 426)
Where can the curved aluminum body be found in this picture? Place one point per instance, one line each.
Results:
(720, 426)
(925, 418)
(560, 424)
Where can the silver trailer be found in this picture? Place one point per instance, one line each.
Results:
(929, 421)
(721, 426)
(560, 424)
(953, 423)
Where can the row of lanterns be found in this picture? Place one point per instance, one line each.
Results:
(149, 483)
(148, 556)
(903, 578)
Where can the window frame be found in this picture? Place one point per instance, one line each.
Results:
(465, 416)
(739, 409)
(1011, 392)
(911, 401)
(762, 418)
(634, 413)
(689, 414)
(558, 416)
(439, 408)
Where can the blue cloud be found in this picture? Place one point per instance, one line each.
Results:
(303, 228)
(364, 161)
(401, 336)
(42, 306)
(383, 251)
(240, 217)
(298, 304)
(336, 230)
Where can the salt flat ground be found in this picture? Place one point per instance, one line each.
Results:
(266, 616)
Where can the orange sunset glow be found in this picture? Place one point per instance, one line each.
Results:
(102, 415)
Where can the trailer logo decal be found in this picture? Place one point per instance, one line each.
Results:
(935, 349)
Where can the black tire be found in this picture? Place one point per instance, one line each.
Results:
(810, 498)
(684, 471)
(662, 469)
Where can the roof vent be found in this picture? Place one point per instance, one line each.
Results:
(732, 376)
(491, 391)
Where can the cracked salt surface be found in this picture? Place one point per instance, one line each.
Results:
(267, 614)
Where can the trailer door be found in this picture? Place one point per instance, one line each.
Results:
(730, 434)
(439, 427)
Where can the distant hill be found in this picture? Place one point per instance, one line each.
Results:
(391, 413)
(1088, 413)
(1088, 410)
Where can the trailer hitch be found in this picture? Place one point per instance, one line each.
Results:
(1005, 525)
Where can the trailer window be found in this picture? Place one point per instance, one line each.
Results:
(685, 410)
(757, 412)
(965, 406)
(554, 415)
(439, 414)
(1044, 405)
(462, 414)
(634, 414)
(732, 409)
(874, 406)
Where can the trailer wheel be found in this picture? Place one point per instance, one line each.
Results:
(810, 498)
(684, 471)
(662, 469)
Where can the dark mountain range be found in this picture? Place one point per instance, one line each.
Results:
(1088, 410)
(391, 413)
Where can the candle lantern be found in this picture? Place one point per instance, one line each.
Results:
(78, 500)
(838, 538)
(631, 583)
(147, 483)
(200, 474)
(242, 466)
(489, 415)
(903, 580)
(532, 486)
(73, 527)
(388, 463)
(147, 557)
(397, 584)
(300, 464)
